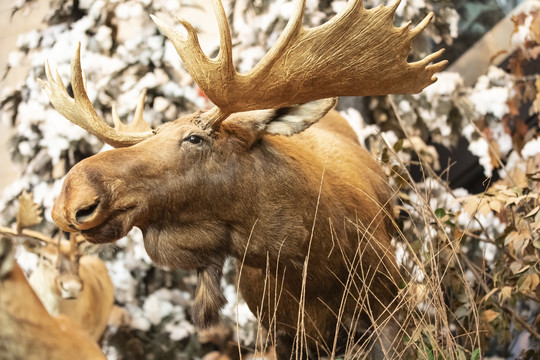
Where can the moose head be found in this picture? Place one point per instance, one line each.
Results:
(270, 176)
(67, 281)
(59, 263)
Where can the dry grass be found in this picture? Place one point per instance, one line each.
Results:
(435, 321)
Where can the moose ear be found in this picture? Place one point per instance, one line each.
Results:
(250, 126)
(295, 119)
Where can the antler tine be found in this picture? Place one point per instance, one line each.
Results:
(357, 53)
(219, 70)
(189, 49)
(137, 124)
(392, 8)
(79, 109)
(423, 24)
(294, 25)
(225, 43)
(26, 233)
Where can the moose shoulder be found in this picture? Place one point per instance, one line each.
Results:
(285, 189)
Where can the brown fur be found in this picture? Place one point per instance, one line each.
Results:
(28, 331)
(89, 304)
(314, 203)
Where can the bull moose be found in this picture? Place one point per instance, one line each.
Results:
(271, 176)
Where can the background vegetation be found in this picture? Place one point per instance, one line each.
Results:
(470, 248)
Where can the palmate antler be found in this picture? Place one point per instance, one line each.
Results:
(357, 53)
(79, 109)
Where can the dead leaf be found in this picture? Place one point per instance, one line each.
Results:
(470, 205)
(489, 294)
(484, 208)
(490, 315)
(495, 205)
(29, 213)
(535, 281)
(517, 267)
(521, 242)
(533, 212)
(495, 154)
(505, 293)
(215, 355)
(528, 92)
(524, 283)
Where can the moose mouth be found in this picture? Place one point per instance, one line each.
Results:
(112, 229)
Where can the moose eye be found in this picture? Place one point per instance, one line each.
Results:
(194, 139)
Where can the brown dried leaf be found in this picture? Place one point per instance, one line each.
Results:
(494, 154)
(495, 205)
(533, 212)
(489, 315)
(525, 283)
(29, 213)
(535, 281)
(505, 293)
(484, 208)
(529, 92)
(471, 204)
(521, 242)
(513, 107)
(493, 291)
(516, 267)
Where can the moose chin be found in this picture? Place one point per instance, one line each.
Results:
(271, 176)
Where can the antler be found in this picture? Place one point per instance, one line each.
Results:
(357, 53)
(79, 109)
(28, 214)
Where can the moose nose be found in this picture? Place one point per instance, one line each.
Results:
(82, 216)
(78, 207)
(86, 213)
(70, 286)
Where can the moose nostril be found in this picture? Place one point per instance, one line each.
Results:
(83, 214)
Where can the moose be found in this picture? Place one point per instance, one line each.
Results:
(28, 331)
(67, 281)
(271, 176)
(73, 284)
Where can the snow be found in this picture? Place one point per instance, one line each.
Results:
(489, 99)
(531, 149)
